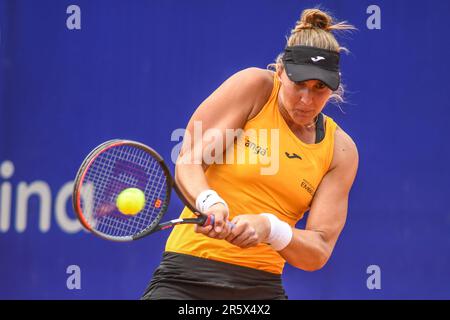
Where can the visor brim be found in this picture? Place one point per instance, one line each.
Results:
(304, 72)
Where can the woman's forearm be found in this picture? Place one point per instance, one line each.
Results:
(307, 250)
(191, 180)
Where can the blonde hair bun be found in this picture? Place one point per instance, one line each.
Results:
(317, 19)
(314, 18)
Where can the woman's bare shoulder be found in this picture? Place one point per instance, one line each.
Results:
(259, 84)
(258, 79)
(345, 149)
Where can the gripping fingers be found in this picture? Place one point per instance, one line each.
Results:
(211, 226)
(204, 230)
(225, 231)
(242, 235)
(250, 242)
(245, 239)
(236, 231)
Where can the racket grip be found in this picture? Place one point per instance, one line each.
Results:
(210, 221)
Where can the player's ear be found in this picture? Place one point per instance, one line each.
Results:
(279, 71)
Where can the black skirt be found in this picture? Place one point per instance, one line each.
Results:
(186, 277)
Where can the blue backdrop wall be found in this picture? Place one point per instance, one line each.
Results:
(138, 69)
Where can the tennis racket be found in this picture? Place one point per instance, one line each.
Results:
(114, 166)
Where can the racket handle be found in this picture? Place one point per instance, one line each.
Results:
(210, 221)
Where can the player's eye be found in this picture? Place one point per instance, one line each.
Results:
(320, 85)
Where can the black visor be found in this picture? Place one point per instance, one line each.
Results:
(309, 63)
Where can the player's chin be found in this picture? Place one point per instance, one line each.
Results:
(302, 118)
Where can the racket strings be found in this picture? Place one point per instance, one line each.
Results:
(112, 171)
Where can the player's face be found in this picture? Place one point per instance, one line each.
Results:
(303, 100)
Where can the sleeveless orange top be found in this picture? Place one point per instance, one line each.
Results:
(267, 169)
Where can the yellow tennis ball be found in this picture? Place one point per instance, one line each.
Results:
(130, 201)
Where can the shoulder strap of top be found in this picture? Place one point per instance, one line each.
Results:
(320, 129)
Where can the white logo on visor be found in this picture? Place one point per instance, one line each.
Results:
(318, 58)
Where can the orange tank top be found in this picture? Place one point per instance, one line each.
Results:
(267, 169)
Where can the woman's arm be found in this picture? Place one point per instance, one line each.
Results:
(238, 99)
(310, 249)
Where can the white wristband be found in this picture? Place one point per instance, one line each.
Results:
(280, 232)
(206, 199)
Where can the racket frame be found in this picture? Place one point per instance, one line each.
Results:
(155, 226)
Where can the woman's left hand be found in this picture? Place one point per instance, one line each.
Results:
(249, 230)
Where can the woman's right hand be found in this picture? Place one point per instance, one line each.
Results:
(221, 228)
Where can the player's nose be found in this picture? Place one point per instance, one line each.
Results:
(305, 96)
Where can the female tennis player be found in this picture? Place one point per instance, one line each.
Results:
(316, 166)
